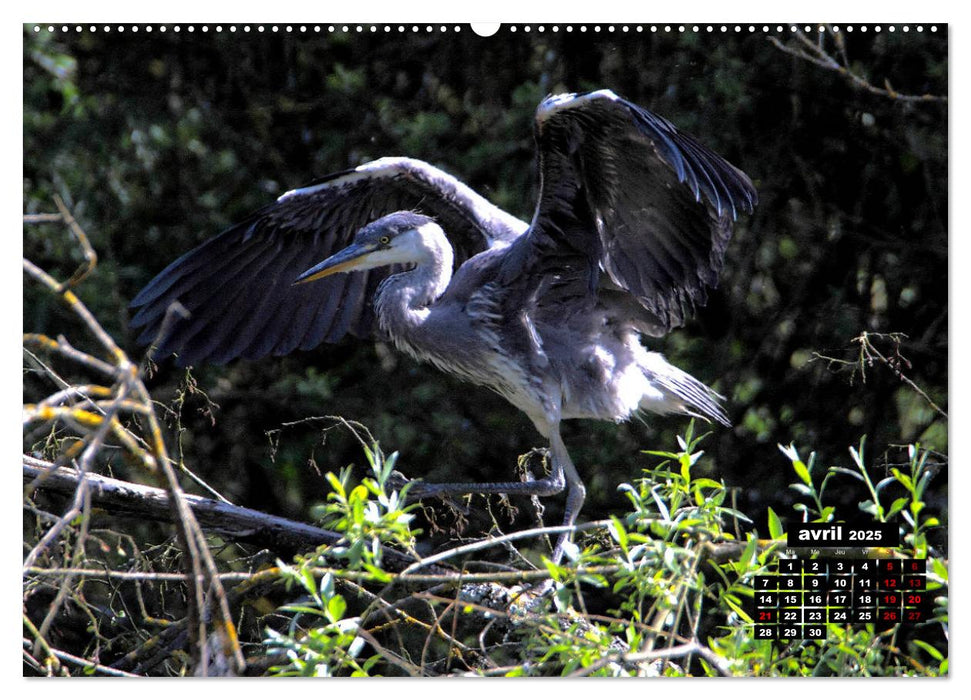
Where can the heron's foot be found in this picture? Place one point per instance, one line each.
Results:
(536, 461)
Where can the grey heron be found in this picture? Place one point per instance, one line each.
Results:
(629, 233)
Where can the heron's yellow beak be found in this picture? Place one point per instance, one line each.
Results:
(351, 258)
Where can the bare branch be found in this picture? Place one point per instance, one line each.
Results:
(128, 499)
(90, 256)
(869, 353)
(84, 663)
(204, 582)
(817, 54)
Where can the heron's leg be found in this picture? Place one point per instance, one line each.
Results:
(575, 490)
(563, 474)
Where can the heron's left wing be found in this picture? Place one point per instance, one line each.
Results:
(238, 286)
(625, 193)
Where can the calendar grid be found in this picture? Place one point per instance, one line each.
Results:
(802, 596)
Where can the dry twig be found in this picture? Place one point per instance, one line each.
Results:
(820, 55)
(95, 420)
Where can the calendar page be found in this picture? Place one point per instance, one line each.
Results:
(414, 348)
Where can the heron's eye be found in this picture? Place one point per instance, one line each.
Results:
(384, 240)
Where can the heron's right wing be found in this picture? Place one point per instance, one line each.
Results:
(628, 200)
(238, 286)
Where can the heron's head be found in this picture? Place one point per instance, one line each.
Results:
(399, 238)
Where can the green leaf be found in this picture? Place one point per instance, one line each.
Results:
(897, 506)
(776, 530)
(335, 483)
(619, 532)
(903, 479)
(748, 555)
(336, 608)
(737, 609)
(686, 463)
(935, 653)
(846, 472)
(801, 489)
(802, 472)
(304, 609)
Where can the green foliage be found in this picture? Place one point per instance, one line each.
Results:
(691, 502)
(369, 515)
(320, 640)
(858, 650)
(59, 69)
(885, 502)
(680, 577)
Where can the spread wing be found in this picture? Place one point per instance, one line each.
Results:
(238, 286)
(628, 204)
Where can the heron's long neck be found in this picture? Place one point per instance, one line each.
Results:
(403, 299)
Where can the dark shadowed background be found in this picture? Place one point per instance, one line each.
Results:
(159, 141)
